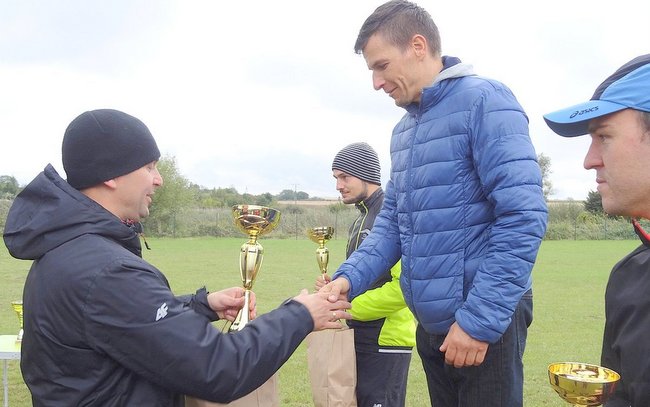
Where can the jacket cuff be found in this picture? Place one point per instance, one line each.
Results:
(199, 303)
(300, 310)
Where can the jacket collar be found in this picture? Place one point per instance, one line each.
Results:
(452, 67)
(49, 212)
(643, 235)
(363, 205)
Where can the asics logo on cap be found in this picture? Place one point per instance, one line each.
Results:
(584, 111)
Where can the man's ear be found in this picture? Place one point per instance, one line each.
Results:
(419, 45)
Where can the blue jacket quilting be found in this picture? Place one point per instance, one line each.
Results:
(464, 208)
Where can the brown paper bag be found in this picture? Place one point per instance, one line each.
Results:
(264, 396)
(332, 367)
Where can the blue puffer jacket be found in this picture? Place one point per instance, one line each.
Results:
(464, 207)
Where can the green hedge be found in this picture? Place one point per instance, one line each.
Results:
(567, 220)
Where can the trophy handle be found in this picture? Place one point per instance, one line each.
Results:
(322, 257)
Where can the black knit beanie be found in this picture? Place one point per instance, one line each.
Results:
(104, 144)
(359, 160)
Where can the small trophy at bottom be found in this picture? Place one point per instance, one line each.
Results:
(320, 235)
(582, 384)
(254, 221)
(18, 308)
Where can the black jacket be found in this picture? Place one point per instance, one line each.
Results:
(103, 328)
(626, 340)
(360, 229)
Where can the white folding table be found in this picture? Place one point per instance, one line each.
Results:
(9, 350)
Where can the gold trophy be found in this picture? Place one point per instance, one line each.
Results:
(18, 307)
(254, 221)
(582, 384)
(320, 235)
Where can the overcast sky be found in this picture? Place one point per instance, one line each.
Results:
(260, 95)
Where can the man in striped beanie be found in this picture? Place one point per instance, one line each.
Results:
(359, 161)
(384, 328)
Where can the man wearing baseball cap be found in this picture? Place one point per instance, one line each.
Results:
(102, 326)
(617, 118)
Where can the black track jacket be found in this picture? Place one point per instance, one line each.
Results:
(626, 340)
(103, 328)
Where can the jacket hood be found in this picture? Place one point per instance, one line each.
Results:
(452, 68)
(49, 213)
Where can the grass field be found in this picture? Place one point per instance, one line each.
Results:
(569, 284)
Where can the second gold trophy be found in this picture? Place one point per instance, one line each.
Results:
(320, 235)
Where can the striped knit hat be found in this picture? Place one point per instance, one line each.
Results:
(359, 160)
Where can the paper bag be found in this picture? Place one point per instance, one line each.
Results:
(264, 396)
(332, 367)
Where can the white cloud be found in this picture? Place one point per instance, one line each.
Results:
(261, 96)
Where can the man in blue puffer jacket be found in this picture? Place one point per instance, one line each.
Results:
(464, 211)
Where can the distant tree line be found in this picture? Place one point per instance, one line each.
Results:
(181, 209)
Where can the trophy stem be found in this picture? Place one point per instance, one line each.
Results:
(243, 315)
(252, 238)
(250, 261)
(322, 257)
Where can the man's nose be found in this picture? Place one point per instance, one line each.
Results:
(593, 158)
(377, 81)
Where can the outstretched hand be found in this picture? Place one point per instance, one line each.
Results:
(228, 302)
(325, 313)
(337, 289)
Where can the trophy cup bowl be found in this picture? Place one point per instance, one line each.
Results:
(320, 235)
(18, 307)
(253, 220)
(582, 384)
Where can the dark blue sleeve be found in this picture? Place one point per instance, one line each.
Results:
(133, 317)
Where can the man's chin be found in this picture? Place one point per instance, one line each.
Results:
(611, 209)
(401, 103)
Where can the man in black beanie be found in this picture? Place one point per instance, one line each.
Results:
(384, 328)
(102, 327)
(103, 144)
